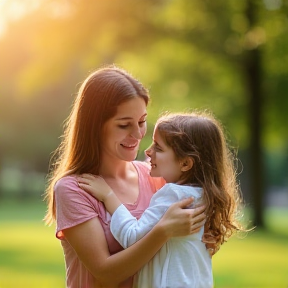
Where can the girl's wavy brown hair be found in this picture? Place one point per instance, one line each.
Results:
(96, 102)
(200, 136)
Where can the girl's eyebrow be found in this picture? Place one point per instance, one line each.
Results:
(130, 118)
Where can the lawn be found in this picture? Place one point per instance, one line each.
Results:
(30, 255)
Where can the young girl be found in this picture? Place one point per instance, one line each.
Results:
(190, 152)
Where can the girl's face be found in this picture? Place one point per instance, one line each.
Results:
(123, 132)
(163, 160)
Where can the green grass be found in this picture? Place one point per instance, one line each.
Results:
(31, 256)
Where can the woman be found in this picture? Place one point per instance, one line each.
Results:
(102, 137)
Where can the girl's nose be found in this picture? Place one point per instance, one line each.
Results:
(148, 152)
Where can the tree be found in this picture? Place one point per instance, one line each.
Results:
(227, 56)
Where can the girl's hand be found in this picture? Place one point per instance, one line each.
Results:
(95, 185)
(178, 221)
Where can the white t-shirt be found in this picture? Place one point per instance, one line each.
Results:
(183, 261)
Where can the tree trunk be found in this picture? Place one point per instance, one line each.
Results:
(254, 83)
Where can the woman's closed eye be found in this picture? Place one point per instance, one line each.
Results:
(124, 126)
(141, 123)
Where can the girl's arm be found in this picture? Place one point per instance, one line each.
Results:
(98, 188)
(88, 240)
(127, 230)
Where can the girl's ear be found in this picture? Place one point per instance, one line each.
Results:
(186, 164)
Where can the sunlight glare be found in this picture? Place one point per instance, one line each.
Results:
(13, 10)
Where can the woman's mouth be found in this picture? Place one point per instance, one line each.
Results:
(129, 146)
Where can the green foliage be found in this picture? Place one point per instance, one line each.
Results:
(190, 54)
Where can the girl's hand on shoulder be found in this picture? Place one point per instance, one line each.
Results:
(94, 185)
(178, 221)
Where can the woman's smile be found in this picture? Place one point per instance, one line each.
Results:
(130, 146)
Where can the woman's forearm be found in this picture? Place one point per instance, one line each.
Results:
(89, 242)
(175, 222)
(126, 263)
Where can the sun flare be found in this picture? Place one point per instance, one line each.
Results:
(12, 10)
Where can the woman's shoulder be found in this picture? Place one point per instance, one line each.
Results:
(67, 188)
(67, 182)
(70, 198)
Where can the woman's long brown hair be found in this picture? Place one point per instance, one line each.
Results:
(96, 102)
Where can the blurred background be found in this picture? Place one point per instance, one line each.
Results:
(229, 57)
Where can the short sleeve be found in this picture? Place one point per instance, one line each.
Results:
(73, 205)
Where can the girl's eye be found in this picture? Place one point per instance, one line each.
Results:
(156, 148)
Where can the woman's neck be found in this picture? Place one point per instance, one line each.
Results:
(119, 175)
(115, 169)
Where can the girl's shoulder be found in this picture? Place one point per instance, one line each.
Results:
(184, 189)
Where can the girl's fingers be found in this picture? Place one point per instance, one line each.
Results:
(90, 177)
(87, 176)
(82, 180)
(84, 187)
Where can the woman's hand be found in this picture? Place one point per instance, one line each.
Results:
(95, 185)
(178, 221)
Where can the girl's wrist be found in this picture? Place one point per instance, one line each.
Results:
(108, 195)
(111, 202)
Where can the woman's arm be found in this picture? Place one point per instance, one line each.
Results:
(88, 240)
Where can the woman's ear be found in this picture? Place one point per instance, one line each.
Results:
(186, 164)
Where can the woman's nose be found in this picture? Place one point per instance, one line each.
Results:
(137, 134)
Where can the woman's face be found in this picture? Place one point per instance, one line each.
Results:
(163, 160)
(123, 133)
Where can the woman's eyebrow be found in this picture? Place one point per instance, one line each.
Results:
(124, 118)
(130, 118)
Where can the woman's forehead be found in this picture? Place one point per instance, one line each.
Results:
(131, 109)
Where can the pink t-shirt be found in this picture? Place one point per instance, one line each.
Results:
(75, 206)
